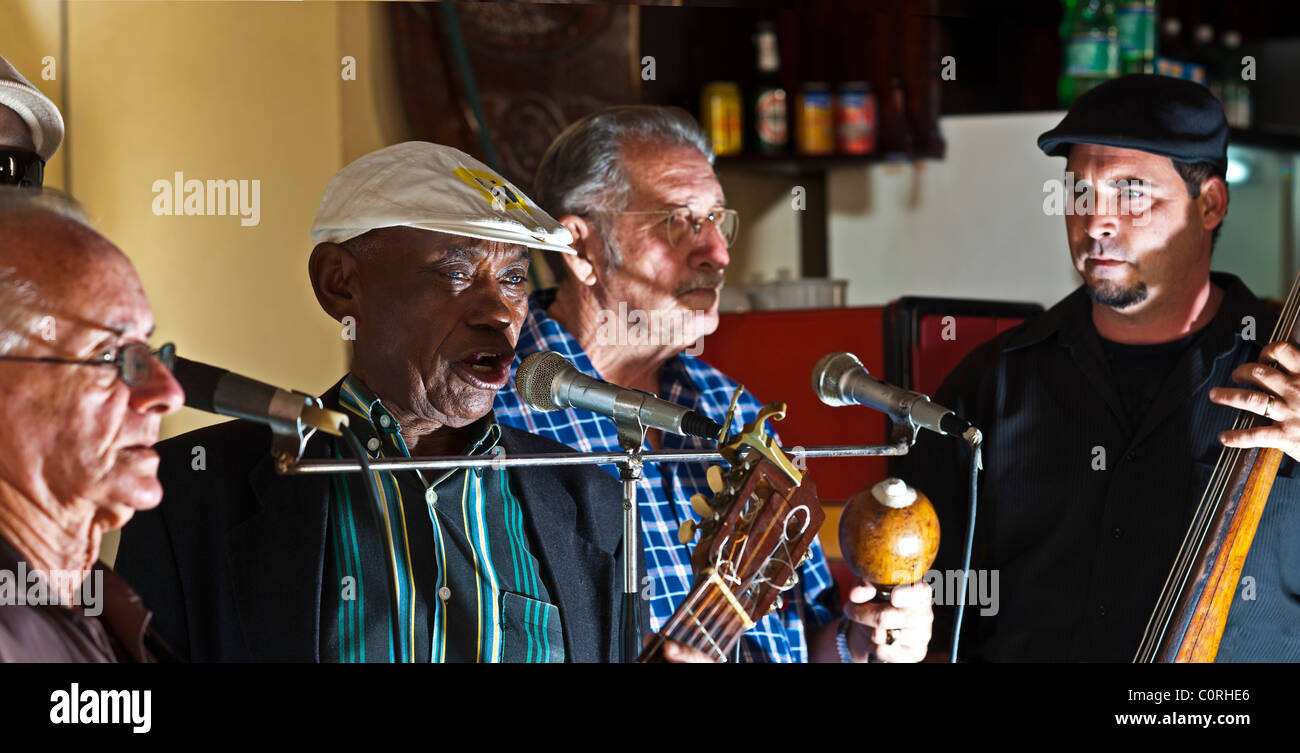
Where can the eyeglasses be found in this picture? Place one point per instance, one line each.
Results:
(134, 361)
(21, 168)
(680, 220)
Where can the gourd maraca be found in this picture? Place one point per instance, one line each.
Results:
(889, 535)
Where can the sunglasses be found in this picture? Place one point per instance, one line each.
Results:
(134, 361)
(19, 167)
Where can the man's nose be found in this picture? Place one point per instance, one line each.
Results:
(491, 308)
(710, 248)
(1102, 223)
(160, 393)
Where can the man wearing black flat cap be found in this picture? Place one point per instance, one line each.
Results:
(1104, 417)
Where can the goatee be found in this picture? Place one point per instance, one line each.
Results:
(1117, 296)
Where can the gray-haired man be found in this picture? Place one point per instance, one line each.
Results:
(635, 187)
(81, 398)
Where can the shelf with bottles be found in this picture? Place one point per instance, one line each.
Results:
(806, 164)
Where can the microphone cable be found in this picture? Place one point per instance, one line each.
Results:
(974, 438)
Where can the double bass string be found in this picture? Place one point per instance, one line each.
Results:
(1224, 470)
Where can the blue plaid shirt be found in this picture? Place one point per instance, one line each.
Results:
(666, 490)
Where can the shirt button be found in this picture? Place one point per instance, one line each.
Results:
(1101, 610)
(444, 593)
(372, 444)
(431, 496)
(1118, 532)
(385, 421)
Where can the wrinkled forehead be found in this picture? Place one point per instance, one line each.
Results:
(1100, 162)
(675, 175)
(406, 247)
(73, 275)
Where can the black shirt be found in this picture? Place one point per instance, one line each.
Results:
(1086, 496)
(1139, 371)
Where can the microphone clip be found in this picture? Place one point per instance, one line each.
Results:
(295, 417)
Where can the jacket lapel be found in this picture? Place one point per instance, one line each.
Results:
(278, 556)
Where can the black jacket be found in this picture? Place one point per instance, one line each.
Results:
(231, 562)
(1082, 510)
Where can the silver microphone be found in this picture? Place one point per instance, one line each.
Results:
(547, 381)
(841, 379)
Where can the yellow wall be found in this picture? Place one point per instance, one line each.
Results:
(29, 32)
(219, 90)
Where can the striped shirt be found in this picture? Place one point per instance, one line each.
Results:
(468, 587)
(666, 489)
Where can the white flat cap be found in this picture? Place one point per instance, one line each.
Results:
(36, 109)
(432, 187)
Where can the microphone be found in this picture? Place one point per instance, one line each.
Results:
(841, 379)
(547, 381)
(215, 390)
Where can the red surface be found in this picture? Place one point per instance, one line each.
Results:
(772, 353)
(933, 357)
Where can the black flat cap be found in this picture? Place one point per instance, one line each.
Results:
(1167, 116)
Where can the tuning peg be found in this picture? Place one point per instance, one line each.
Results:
(715, 479)
(701, 506)
(687, 532)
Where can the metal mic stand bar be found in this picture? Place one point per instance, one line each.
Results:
(449, 462)
(629, 461)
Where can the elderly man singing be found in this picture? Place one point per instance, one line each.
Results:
(81, 398)
(635, 186)
(421, 252)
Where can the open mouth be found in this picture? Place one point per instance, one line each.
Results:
(486, 369)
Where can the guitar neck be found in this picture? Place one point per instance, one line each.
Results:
(711, 619)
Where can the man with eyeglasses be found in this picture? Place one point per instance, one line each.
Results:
(635, 187)
(81, 399)
(31, 129)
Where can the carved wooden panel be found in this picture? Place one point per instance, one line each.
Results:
(536, 69)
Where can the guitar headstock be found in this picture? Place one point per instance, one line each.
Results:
(757, 527)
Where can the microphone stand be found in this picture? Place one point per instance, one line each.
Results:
(630, 474)
(630, 462)
(631, 437)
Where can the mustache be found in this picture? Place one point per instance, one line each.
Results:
(1110, 250)
(700, 280)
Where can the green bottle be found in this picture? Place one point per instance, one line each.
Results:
(1091, 49)
(1136, 20)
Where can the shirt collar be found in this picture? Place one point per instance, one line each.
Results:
(377, 422)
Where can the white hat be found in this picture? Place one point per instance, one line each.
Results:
(432, 187)
(36, 109)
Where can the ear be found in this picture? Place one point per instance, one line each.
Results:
(589, 247)
(1212, 204)
(334, 279)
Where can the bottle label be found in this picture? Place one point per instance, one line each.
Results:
(1137, 30)
(1092, 54)
(770, 117)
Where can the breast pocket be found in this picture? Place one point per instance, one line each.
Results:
(531, 630)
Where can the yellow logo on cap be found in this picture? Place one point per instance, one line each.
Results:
(497, 193)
